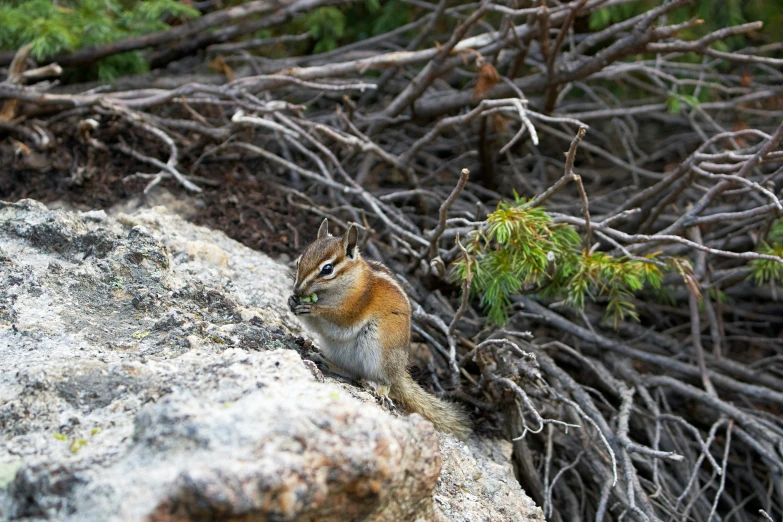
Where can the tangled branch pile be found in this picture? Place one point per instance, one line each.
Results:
(638, 371)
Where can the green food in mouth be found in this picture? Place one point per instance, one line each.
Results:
(312, 298)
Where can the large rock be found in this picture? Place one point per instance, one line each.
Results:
(149, 371)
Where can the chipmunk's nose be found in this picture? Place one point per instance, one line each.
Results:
(297, 291)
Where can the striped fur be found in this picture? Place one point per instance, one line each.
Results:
(362, 320)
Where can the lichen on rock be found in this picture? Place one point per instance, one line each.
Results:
(150, 370)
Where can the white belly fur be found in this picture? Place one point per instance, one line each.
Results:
(356, 349)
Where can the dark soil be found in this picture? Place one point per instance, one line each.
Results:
(239, 197)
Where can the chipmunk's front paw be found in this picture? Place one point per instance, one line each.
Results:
(302, 309)
(298, 307)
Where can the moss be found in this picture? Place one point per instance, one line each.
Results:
(76, 445)
(141, 334)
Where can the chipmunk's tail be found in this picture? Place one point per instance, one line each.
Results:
(446, 416)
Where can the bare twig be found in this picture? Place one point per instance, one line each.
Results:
(443, 212)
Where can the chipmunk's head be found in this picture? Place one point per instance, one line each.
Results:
(328, 265)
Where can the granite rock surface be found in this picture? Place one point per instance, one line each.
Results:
(150, 371)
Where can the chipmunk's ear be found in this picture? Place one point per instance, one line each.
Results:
(323, 230)
(350, 240)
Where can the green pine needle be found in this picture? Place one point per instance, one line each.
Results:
(51, 28)
(514, 254)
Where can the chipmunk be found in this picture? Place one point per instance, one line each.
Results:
(362, 318)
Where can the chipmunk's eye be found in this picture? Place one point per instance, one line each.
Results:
(327, 269)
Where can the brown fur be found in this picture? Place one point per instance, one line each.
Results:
(364, 319)
(444, 415)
